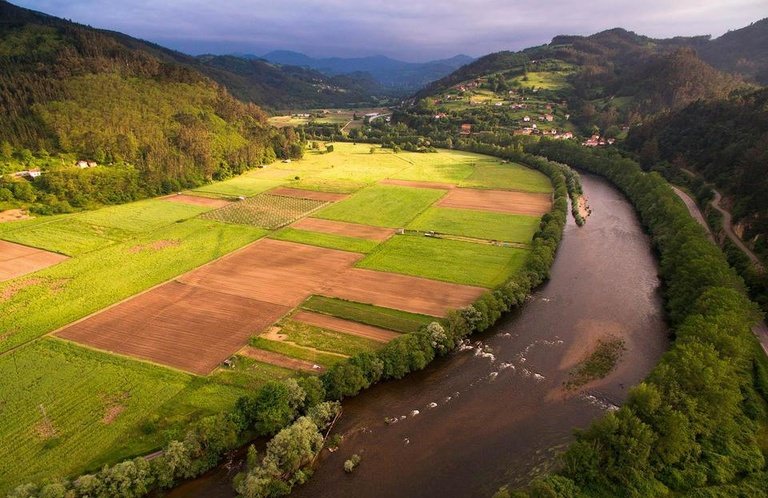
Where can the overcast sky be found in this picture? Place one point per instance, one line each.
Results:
(407, 29)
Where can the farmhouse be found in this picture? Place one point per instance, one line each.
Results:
(466, 129)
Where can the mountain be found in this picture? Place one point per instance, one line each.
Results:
(97, 95)
(743, 51)
(390, 73)
(614, 72)
(278, 86)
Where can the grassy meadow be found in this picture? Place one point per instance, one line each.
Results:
(65, 408)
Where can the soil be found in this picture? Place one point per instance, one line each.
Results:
(112, 413)
(403, 292)
(184, 326)
(345, 326)
(14, 215)
(408, 183)
(499, 201)
(280, 360)
(343, 228)
(307, 194)
(17, 260)
(195, 200)
(14, 288)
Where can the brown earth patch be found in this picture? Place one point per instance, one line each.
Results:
(403, 292)
(17, 260)
(280, 360)
(112, 413)
(195, 200)
(157, 245)
(45, 430)
(344, 228)
(416, 184)
(499, 201)
(14, 288)
(184, 326)
(273, 271)
(345, 326)
(14, 215)
(307, 194)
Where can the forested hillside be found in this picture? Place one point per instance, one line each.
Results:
(726, 142)
(69, 92)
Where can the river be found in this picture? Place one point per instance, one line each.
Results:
(495, 412)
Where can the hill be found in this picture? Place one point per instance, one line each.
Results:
(392, 74)
(71, 92)
(743, 51)
(278, 86)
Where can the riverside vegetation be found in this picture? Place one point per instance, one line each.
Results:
(696, 426)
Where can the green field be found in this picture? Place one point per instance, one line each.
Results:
(454, 261)
(331, 241)
(477, 224)
(382, 205)
(79, 286)
(309, 336)
(264, 210)
(98, 408)
(494, 175)
(386, 318)
(302, 353)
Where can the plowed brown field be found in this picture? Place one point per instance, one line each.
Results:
(274, 271)
(187, 327)
(403, 292)
(195, 200)
(346, 326)
(500, 201)
(17, 260)
(280, 360)
(344, 228)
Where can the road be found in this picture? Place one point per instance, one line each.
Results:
(760, 329)
(728, 227)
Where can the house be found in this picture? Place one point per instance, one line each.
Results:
(441, 115)
(592, 141)
(499, 104)
(524, 131)
(466, 129)
(33, 173)
(527, 119)
(549, 117)
(81, 164)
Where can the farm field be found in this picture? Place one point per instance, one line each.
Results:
(498, 201)
(294, 276)
(493, 175)
(17, 260)
(459, 262)
(394, 206)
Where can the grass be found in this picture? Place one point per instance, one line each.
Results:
(598, 364)
(387, 318)
(328, 240)
(55, 400)
(494, 175)
(309, 336)
(264, 210)
(478, 224)
(246, 185)
(79, 286)
(299, 352)
(141, 216)
(62, 234)
(444, 167)
(454, 261)
(382, 205)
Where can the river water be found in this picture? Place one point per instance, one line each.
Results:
(495, 412)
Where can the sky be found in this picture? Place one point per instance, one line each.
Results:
(413, 30)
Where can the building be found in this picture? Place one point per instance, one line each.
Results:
(466, 129)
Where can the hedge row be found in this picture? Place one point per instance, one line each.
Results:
(691, 428)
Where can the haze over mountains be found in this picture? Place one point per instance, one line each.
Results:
(390, 73)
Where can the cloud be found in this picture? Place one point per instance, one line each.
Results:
(408, 29)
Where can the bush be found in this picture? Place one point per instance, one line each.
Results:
(351, 464)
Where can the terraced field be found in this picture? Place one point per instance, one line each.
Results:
(116, 345)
